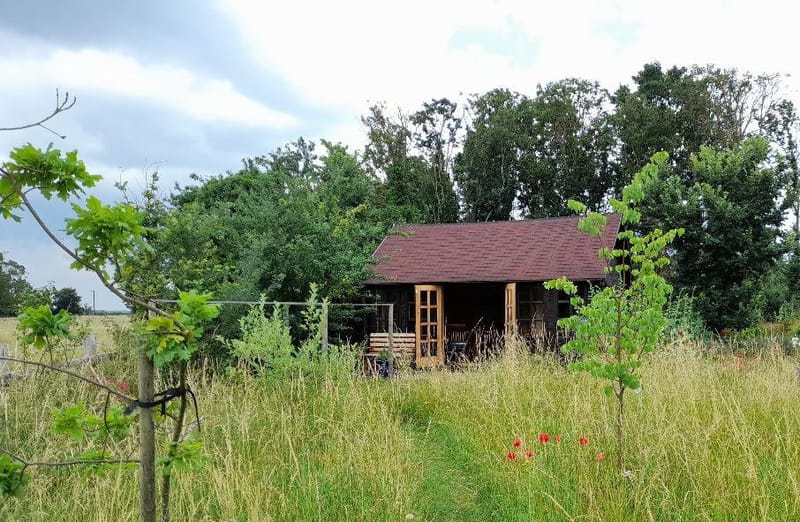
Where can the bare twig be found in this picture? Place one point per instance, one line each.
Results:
(62, 105)
(70, 373)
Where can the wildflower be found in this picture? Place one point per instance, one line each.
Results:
(517, 442)
(511, 456)
(583, 441)
(528, 454)
(558, 439)
(544, 438)
(600, 456)
(123, 386)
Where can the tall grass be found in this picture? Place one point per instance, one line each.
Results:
(709, 438)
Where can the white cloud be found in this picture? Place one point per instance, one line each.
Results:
(342, 54)
(89, 70)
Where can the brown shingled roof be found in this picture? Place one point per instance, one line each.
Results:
(499, 251)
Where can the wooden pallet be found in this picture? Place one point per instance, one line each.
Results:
(404, 346)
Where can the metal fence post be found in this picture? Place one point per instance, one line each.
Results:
(324, 327)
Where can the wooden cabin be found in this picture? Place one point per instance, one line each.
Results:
(446, 280)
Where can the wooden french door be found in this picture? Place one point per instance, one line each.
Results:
(511, 309)
(429, 307)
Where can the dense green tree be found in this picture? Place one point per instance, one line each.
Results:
(570, 149)
(782, 126)
(682, 109)
(13, 286)
(67, 299)
(489, 167)
(666, 111)
(414, 155)
(731, 217)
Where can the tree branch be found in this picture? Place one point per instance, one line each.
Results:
(70, 373)
(61, 106)
(71, 253)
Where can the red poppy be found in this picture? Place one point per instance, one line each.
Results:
(517, 442)
(528, 454)
(583, 441)
(558, 439)
(544, 438)
(511, 456)
(600, 456)
(123, 386)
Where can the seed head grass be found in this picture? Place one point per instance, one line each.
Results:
(706, 439)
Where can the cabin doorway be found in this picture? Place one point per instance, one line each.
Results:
(429, 312)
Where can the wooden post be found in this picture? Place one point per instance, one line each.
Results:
(147, 439)
(324, 327)
(3, 363)
(89, 346)
(390, 331)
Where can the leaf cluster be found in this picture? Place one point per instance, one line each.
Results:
(175, 338)
(43, 329)
(46, 171)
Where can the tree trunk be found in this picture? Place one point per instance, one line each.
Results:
(147, 441)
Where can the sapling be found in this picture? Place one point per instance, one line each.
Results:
(623, 321)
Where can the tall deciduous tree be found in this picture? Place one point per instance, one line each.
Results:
(682, 109)
(666, 111)
(414, 155)
(732, 218)
(782, 127)
(488, 169)
(570, 149)
(67, 299)
(13, 286)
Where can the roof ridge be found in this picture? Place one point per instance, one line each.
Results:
(477, 223)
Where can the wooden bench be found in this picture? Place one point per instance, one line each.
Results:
(404, 346)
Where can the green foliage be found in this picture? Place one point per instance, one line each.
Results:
(489, 167)
(415, 154)
(176, 338)
(624, 320)
(266, 342)
(185, 455)
(104, 232)
(13, 286)
(732, 224)
(683, 317)
(11, 477)
(569, 146)
(43, 329)
(79, 424)
(67, 299)
(52, 174)
(70, 421)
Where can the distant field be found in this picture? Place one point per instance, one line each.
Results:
(102, 326)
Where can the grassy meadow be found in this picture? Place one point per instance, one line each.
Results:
(709, 438)
(104, 327)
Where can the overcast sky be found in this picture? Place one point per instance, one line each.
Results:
(194, 86)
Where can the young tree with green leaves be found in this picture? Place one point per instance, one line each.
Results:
(107, 235)
(623, 321)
